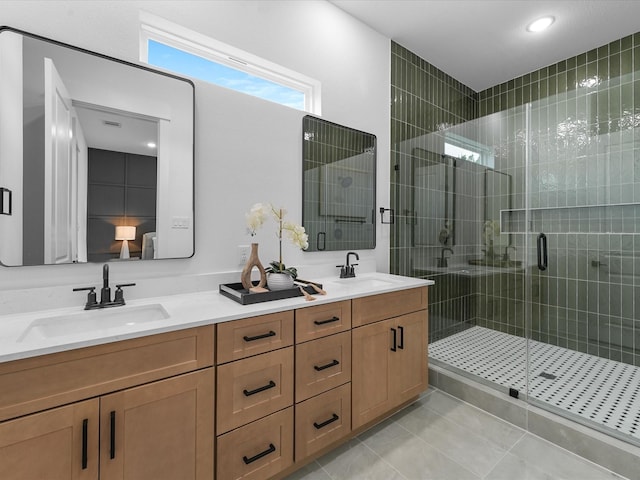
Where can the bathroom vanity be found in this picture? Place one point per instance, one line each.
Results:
(212, 389)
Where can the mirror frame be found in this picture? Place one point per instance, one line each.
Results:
(146, 68)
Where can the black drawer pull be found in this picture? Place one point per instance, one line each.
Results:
(271, 384)
(85, 438)
(328, 365)
(333, 418)
(112, 446)
(269, 450)
(258, 337)
(322, 322)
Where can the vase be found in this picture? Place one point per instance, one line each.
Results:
(253, 261)
(279, 281)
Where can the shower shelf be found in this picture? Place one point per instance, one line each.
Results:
(612, 219)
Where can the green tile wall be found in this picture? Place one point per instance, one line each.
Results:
(617, 59)
(574, 304)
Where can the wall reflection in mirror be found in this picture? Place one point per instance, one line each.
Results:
(339, 182)
(88, 144)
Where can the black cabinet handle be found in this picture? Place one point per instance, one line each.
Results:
(85, 439)
(269, 450)
(5, 194)
(248, 393)
(542, 252)
(333, 418)
(112, 446)
(328, 365)
(258, 337)
(323, 322)
(395, 339)
(401, 344)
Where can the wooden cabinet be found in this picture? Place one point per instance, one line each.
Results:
(322, 320)
(322, 420)
(389, 361)
(252, 336)
(254, 387)
(257, 450)
(60, 444)
(322, 364)
(160, 430)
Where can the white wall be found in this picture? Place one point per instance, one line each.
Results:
(244, 145)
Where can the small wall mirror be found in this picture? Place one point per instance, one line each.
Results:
(89, 143)
(338, 186)
(497, 197)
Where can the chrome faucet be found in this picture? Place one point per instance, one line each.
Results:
(442, 261)
(347, 271)
(105, 293)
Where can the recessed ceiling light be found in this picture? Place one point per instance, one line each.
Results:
(540, 24)
(151, 145)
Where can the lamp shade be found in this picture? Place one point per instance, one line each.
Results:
(125, 233)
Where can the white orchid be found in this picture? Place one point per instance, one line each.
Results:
(295, 233)
(256, 217)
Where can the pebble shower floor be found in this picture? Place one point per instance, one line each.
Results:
(597, 389)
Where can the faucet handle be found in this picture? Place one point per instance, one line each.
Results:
(343, 271)
(91, 296)
(119, 294)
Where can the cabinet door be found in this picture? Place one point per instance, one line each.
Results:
(409, 361)
(371, 374)
(159, 431)
(58, 444)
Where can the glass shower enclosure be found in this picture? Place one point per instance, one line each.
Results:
(528, 220)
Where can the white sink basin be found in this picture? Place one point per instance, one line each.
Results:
(99, 320)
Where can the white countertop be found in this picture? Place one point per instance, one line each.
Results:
(183, 311)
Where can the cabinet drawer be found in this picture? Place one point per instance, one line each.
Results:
(387, 305)
(38, 383)
(323, 320)
(322, 365)
(251, 336)
(254, 387)
(258, 450)
(322, 420)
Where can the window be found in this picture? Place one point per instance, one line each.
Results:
(459, 147)
(177, 49)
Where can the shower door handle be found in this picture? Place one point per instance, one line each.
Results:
(542, 252)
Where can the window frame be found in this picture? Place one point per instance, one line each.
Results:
(181, 38)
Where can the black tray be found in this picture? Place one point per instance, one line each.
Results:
(236, 292)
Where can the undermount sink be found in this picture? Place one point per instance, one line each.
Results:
(100, 320)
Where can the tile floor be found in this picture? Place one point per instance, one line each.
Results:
(443, 438)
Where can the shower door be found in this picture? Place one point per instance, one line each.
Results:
(583, 246)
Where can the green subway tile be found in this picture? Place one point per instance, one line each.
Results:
(543, 89)
(614, 47)
(552, 69)
(518, 82)
(626, 42)
(572, 63)
(562, 82)
(603, 52)
(581, 59)
(592, 70)
(581, 74)
(614, 66)
(603, 69)
(636, 39)
(636, 58)
(626, 62)
(592, 55)
(533, 76)
(570, 79)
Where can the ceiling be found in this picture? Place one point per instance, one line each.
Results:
(483, 43)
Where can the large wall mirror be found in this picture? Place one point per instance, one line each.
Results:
(88, 144)
(339, 185)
